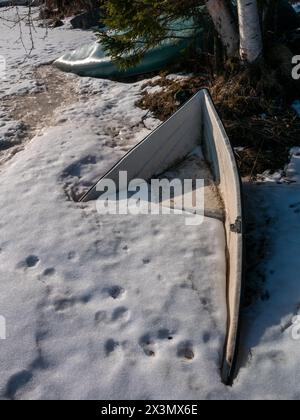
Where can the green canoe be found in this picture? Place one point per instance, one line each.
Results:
(93, 60)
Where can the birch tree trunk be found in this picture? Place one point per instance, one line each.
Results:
(224, 24)
(251, 46)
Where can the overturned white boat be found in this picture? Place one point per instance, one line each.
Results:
(197, 124)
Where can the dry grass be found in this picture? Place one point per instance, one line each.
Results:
(254, 105)
(173, 95)
(267, 141)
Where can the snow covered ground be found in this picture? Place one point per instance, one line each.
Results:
(98, 306)
(125, 307)
(296, 106)
(297, 7)
(271, 339)
(289, 174)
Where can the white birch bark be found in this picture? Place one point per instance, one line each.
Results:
(251, 46)
(224, 24)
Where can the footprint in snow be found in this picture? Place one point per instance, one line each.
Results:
(71, 255)
(76, 168)
(30, 262)
(120, 314)
(206, 337)
(295, 207)
(17, 382)
(100, 317)
(110, 346)
(115, 292)
(65, 303)
(185, 350)
(72, 176)
(165, 334)
(49, 272)
(147, 344)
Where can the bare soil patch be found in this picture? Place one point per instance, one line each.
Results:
(35, 111)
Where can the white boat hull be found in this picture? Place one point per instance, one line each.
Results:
(197, 123)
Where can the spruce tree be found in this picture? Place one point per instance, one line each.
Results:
(138, 25)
